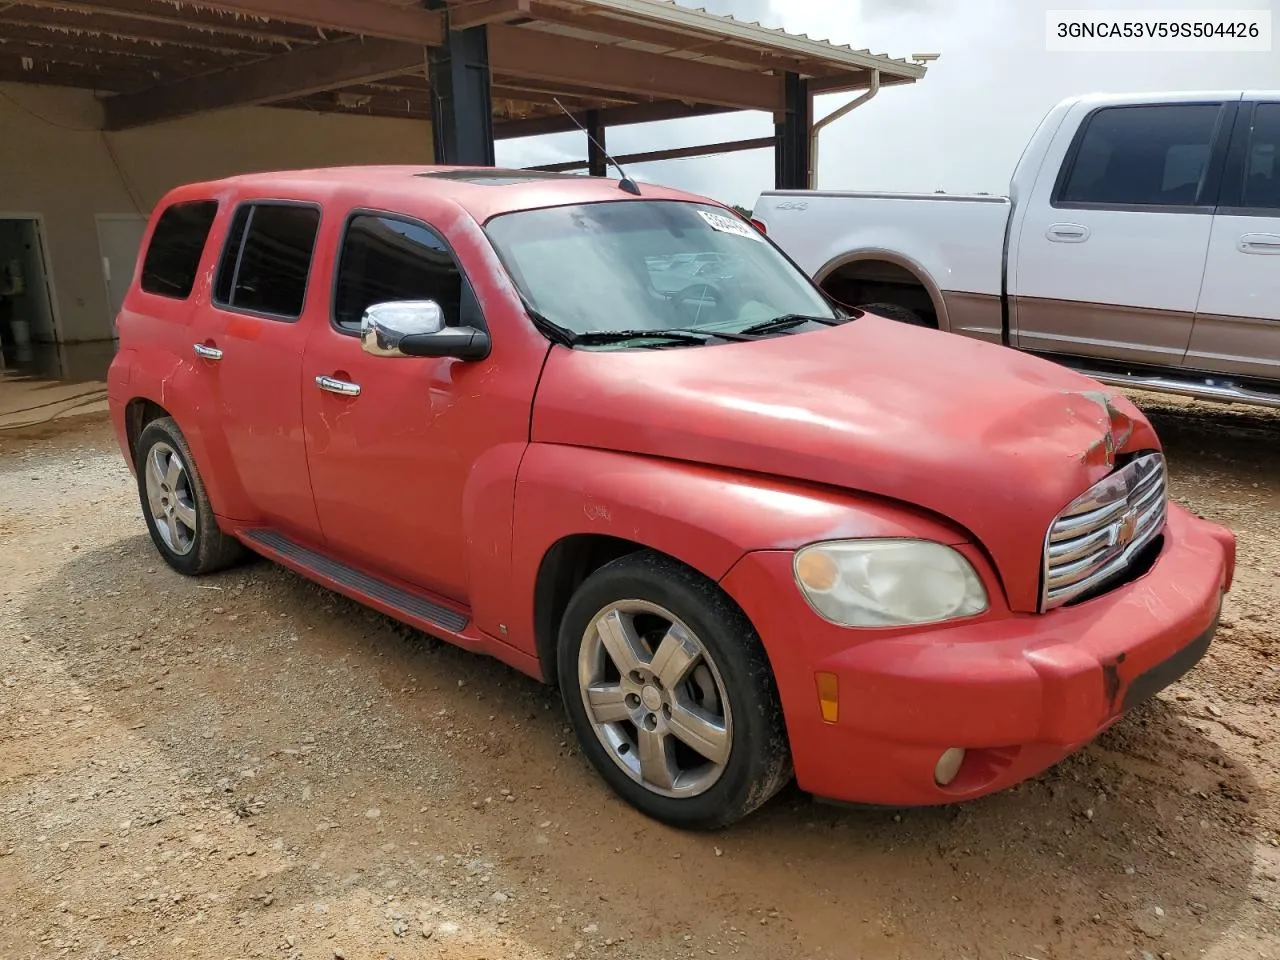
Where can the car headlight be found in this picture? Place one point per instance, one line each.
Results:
(888, 583)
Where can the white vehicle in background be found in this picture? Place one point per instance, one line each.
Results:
(1139, 243)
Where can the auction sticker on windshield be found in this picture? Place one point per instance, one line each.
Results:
(729, 225)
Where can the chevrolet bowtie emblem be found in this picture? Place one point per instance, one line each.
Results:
(1126, 529)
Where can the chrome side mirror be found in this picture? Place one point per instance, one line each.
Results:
(385, 326)
(416, 328)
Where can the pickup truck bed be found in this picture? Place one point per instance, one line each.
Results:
(895, 246)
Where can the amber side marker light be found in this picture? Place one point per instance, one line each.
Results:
(829, 697)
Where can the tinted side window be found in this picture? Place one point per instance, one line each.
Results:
(268, 259)
(384, 259)
(1262, 169)
(177, 243)
(231, 256)
(1157, 155)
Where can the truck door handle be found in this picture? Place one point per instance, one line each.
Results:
(341, 387)
(1263, 243)
(206, 352)
(1068, 233)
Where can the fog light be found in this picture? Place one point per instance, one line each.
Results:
(948, 767)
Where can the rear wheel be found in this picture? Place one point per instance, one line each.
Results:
(671, 695)
(892, 311)
(175, 505)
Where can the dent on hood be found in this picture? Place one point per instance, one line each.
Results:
(1117, 433)
(1096, 426)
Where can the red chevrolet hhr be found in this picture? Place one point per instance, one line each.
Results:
(616, 439)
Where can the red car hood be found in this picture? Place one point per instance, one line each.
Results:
(996, 441)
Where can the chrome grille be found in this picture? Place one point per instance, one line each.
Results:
(1098, 536)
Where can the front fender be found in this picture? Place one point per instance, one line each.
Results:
(704, 517)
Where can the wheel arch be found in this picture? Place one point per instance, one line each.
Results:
(138, 413)
(165, 397)
(872, 255)
(565, 565)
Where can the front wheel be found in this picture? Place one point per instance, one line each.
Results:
(670, 694)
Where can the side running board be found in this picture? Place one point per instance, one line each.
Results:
(1221, 391)
(411, 605)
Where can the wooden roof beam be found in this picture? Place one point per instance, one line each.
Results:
(475, 13)
(68, 38)
(65, 75)
(368, 18)
(537, 55)
(189, 15)
(289, 76)
(613, 117)
(702, 45)
(82, 24)
(678, 153)
(89, 58)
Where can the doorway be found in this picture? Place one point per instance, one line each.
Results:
(119, 240)
(26, 298)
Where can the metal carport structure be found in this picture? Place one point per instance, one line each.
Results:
(477, 70)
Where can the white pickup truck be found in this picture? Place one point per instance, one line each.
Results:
(1139, 243)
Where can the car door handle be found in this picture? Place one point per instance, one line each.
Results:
(341, 387)
(1068, 233)
(1263, 243)
(206, 352)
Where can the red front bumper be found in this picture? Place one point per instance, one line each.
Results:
(1017, 692)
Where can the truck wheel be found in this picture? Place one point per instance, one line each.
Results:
(175, 505)
(670, 694)
(892, 311)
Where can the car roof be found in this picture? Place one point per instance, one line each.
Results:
(483, 192)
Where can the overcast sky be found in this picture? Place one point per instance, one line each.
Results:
(959, 129)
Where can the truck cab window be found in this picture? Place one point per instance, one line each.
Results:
(1143, 156)
(385, 259)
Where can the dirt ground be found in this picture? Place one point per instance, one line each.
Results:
(250, 766)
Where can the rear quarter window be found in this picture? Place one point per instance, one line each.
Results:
(177, 244)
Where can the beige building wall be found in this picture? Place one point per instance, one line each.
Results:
(55, 161)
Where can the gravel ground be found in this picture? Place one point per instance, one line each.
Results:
(250, 766)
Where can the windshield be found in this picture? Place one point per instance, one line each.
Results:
(652, 265)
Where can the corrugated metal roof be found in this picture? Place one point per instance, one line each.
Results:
(671, 15)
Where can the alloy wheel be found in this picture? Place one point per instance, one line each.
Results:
(169, 496)
(655, 699)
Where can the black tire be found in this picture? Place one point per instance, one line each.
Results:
(208, 549)
(893, 311)
(759, 758)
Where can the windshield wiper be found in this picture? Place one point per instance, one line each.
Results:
(553, 330)
(568, 338)
(601, 337)
(785, 322)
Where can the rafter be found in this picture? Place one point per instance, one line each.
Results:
(475, 13)
(537, 55)
(186, 15)
(80, 23)
(615, 117)
(678, 153)
(289, 76)
(702, 46)
(65, 75)
(67, 38)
